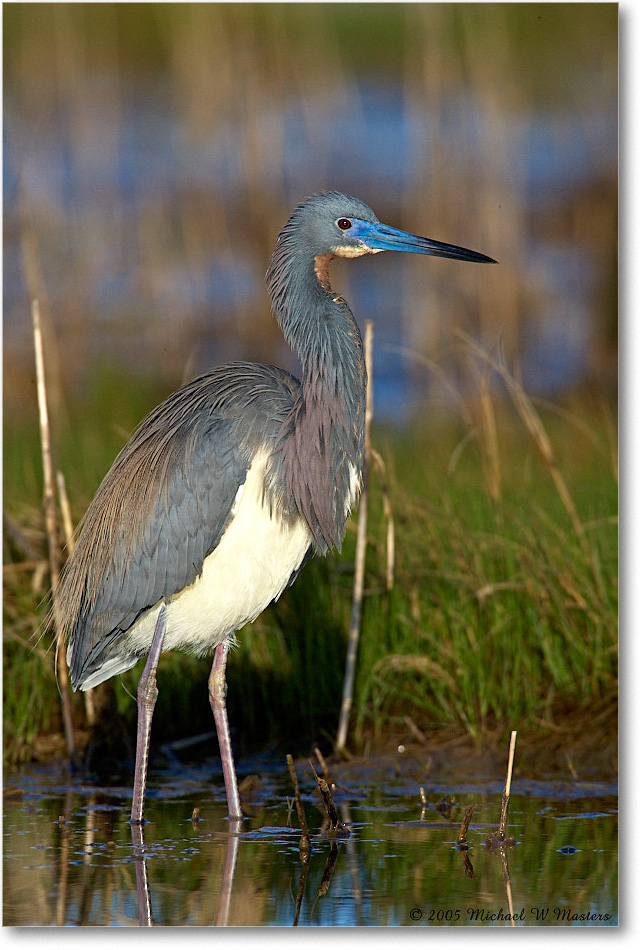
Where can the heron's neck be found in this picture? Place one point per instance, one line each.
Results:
(319, 325)
(325, 447)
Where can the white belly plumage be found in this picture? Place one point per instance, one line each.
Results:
(250, 567)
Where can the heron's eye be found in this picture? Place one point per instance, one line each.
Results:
(344, 224)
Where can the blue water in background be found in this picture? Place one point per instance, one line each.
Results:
(371, 139)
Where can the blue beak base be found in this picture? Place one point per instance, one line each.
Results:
(381, 237)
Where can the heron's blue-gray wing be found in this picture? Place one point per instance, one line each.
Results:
(165, 503)
(159, 535)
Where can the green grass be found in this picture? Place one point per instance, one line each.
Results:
(501, 612)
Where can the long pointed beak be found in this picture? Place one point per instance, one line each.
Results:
(381, 237)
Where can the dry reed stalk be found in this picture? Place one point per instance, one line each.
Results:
(65, 508)
(501, 831)
(498, 840)
(360, 561)
(51, 525)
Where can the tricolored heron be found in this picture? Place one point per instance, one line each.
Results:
(232, 483)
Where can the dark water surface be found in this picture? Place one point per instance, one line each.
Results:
(69, 857)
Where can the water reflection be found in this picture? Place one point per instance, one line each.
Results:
(142, 876)
(72, 857)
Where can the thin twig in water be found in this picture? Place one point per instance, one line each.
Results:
(465, 822)
(336, 825)
(305, 834)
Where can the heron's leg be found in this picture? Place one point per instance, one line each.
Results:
(217, 691)
(147, 696)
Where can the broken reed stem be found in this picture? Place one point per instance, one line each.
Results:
(297, 798)
(326, 794)
(335, 822)
(51, 525)
(501, 831)
(322, 763)
(465, 822)
(360, 561)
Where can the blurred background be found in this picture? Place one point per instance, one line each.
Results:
(152, 152)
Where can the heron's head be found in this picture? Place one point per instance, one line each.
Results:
(334, 224)
(337, 224)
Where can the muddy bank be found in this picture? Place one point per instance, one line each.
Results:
(579, 746)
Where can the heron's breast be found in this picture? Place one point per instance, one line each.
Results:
(251, 566)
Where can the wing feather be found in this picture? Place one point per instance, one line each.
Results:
(165, 503)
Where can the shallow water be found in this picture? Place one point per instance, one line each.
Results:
(69, 857)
